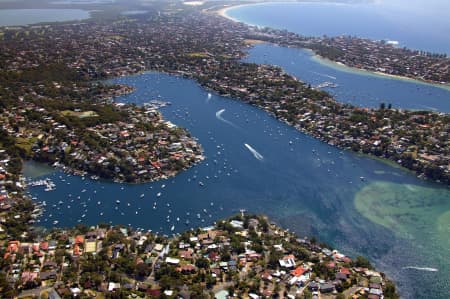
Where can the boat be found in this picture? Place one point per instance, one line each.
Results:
(201, 184)
(158, 194)
(55, 222)
(117, 201)
(142, 195)
(172, 228)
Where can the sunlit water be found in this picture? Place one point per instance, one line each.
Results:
(417, 24)
(17, 17)
(355, 87)
(259, 164)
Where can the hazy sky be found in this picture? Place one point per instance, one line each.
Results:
(441, 7)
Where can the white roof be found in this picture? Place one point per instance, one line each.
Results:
(171, 260)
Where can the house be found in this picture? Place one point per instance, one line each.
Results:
(222, 295)
(172, 261)
(90, 246)
(299, 271)
(287, 261)
(29, 276)
(47, 275)
(117, 249)
(112, 286)
(326, 288)
(186, 254)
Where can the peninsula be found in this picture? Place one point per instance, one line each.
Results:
(184, 40)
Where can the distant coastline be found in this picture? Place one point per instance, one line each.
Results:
(223, 12)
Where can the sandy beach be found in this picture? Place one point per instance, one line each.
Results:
(223, 11)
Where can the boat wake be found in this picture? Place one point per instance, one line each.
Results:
(422, 268)
(208, 97)
(219, 117)
(257, 155)
(324, 75)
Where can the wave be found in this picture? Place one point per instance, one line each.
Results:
(422, 268)
(219, 117)
(324, 75)
(257, 155)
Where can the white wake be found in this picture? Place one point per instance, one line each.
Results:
(254, 152)
(324, 75)
(219, 117)
(422, 268)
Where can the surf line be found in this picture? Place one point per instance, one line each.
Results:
(219, 117)
(257, 155)
(422, 268)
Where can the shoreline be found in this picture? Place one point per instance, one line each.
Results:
(223, 12)
(340, 66)
(325, 61)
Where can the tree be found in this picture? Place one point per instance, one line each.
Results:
(202, 263)
(362, 262)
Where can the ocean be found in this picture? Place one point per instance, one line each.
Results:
(419, 24)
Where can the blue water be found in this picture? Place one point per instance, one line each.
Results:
(354, 87)
(18, 17)
(418, 24)
(300, 182)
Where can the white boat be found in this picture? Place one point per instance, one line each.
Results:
(142, 195)
(117, 201)
(158, 194)
(172, 228)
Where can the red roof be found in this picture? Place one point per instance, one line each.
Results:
(345, 271)
(76, 250)
(44, 245)
(155, 293)
(13, 246)
(299, 271)
(155, 164)
(79, 240)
